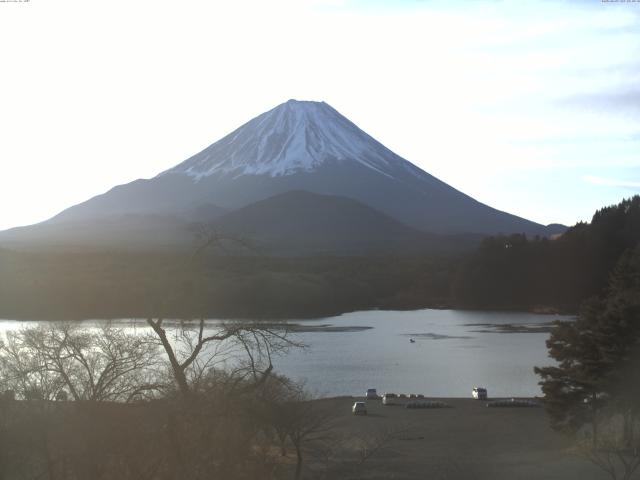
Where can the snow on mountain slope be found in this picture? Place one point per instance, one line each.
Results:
(296, 136)
(306, 146)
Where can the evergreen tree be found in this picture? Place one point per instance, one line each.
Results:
(573, 389)
(519, 273)
(619, 337)
(598, 356)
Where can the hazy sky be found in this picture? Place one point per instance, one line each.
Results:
(530, 107)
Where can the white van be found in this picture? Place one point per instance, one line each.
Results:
(479, 393)
(359, 408)
(390, 399)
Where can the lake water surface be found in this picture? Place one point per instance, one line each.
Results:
(452, 351)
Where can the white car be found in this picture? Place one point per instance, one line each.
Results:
(359, 408)
(372, 394)
(479, 393)
(390, 399)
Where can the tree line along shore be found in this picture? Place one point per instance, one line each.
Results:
(505, 272)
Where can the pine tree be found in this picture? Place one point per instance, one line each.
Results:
(598, 357)
(619, 339)
(573, 389)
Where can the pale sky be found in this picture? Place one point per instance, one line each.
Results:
(530, 107)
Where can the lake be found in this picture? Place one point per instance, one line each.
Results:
(452, 351)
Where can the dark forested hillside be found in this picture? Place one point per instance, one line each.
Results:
(65, 285)
(505, 272)
(522, 273)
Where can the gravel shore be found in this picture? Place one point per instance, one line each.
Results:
(466, 441)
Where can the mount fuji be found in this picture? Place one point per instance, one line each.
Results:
(298, 146)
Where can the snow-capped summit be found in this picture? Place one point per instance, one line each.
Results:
(296, 136)
(301, 146)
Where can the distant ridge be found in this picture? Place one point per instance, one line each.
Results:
(291, 224)
(303, 223)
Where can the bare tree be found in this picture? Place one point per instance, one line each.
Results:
(58, 361)
(616, 452)
(309, 427)
(209, 237)
(23, 370)
(245, 348)
(97, 366)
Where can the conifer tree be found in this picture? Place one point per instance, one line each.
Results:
(598, 357)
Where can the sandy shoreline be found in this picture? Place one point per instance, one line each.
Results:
(467, 440)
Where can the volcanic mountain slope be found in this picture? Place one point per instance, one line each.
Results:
(126, 231)
(292, 223)
(302, 223)
(303, 146)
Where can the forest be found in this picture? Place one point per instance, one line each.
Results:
(76, 285)
(591, 391)
(516, 272)
(505, 272)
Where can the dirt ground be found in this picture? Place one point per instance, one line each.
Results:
(466, 441)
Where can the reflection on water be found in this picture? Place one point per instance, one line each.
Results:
(440, 353)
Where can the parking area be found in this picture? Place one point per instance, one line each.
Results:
(465, 440)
